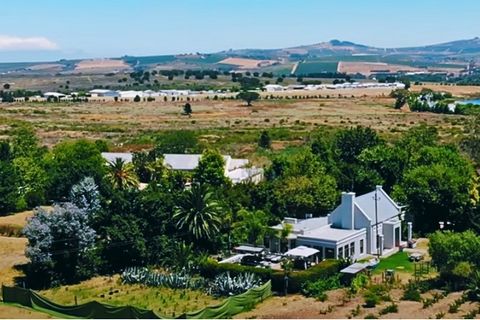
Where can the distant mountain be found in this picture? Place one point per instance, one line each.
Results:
(459, 53)
(466, 49)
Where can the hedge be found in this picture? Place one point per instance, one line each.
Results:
(210, 268)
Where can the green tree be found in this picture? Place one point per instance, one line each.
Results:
(250, 227)
(187, 109)
(211, 169)
(248, 97)
(177, 141)
(137, 99)
(8, 187)
(69, 162)
(455, 253)
(435, 193)
(32, 180)
(25, 143)
(198, 213)
(351, 142)
(298, 184)
(6, 86)
(264, 141)
(121, 174)
(401, 97)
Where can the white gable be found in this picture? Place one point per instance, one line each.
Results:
(386, 207)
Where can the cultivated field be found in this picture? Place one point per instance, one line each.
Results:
(247, 63)
(368, 68)
(101, 65)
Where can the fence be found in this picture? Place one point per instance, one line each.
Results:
(94, 309)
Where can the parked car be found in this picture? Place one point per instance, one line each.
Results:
(251, 260)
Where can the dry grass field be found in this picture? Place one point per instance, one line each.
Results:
(15, 312)
(338, 306)
(367, 68)
(12, 253)
(101, 65)
(120, 121)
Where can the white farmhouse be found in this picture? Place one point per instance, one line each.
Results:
(359, 226)
(237, 170)
(103, 93)
(273, 88)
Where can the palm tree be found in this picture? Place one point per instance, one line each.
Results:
(121, 174)
(283, 234)
(198, 213)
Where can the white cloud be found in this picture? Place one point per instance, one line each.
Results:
(26, 43)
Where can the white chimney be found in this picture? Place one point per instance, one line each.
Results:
(348, 200)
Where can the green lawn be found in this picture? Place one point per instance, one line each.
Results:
(398, 262)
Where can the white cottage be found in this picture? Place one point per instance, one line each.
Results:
(352, 230)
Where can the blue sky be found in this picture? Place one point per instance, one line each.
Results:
(53, 29)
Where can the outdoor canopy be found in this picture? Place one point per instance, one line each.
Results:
(301, 252)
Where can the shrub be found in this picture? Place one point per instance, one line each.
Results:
(371, 299)
(392, 308)
(226, 285)
(180, 280)
(210, 268)
(317, 288)
(327, 268)
(371, 316)
(411, 292)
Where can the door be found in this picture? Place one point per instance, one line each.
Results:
(397, 237)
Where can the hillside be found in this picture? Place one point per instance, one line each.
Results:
(453, 55)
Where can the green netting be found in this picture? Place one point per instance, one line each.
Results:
(226, 309)
(234, 305)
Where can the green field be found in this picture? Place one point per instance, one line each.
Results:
(316, 67)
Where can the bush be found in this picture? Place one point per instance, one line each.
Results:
(411, 292)
(371, 299)
(317, 288)
(327, 268)
(323, 270)
(393, 308)
(211, 268)
(375, 294)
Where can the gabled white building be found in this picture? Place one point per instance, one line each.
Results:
(359, 226)
(237, 170)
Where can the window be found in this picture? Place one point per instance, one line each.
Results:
(352, 249)
(347, 252)
(361, 246)
(340, 253)
(329, 253)
(320, 254)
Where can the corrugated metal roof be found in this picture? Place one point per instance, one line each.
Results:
(111, 156)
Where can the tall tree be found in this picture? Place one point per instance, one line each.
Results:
(121, 174)
(198, 213)
(250, 227)
(70, 162)
(248, 97)
(211, 169)
(61, 243)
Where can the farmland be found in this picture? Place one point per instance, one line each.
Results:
(123, 122)
(309, 66)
